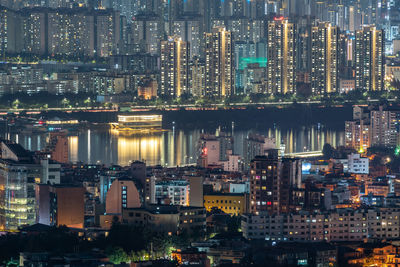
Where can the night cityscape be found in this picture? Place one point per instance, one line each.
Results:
(139, 133)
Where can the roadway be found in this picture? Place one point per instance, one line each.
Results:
(172, 107)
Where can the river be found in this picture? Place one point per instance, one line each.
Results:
(177, 146)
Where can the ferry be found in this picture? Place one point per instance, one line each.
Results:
(138, 123)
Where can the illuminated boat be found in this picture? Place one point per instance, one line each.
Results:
(138, 123)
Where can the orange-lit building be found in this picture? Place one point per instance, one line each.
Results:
(58, 147)
(377, 189)
(60, 205)
(147, 88)
(383, 255)
(121, 195)
(192, 256)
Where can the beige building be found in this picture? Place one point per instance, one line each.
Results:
(121, 195)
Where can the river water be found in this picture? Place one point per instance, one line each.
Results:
(176, 146)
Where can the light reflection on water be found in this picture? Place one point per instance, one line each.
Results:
(172, 147)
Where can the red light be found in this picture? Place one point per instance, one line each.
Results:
(269, 203)
(205, 151)
(279, 18)
(41, 122)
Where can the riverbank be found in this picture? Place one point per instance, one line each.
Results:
(245, 117)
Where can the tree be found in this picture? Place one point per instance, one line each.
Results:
(234, 224)
(16, 103)
(117, 255)
(65, 102)
(327, 151)
(87, 101)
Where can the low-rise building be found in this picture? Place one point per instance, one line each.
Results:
(167, 218)
(357, 164)
(383, 254)
(341, 225)
(230, 203)
(174, 192)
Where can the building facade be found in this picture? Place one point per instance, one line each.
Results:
(369, 59)
(219, 63)
(174, 67)
(324, 58)
(281, 66)
(172, 193)
(341, 225)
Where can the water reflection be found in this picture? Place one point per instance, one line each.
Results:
(175, 146)
(73, 148)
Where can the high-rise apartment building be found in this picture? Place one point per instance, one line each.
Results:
(281, 67)
(264, 183)
(219, 63)
(324, 58)
(197, 77)
(369, 59)
(357, 135)
(10, 27)
(69, 33)
(34, 31)
(384, 127)
(146, 34)
(291, 171)
(107, 30)
(256, 145)
(271, 182)
(174, 67)
(190, 30)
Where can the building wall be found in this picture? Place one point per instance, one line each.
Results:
(219, 63)
(281, 66)
(349, 225)
(196, 191)
(174, 192)
(122, 194)
(17, 194)
(70, 206)
(233, 204)
(369, 59)
(357, 164)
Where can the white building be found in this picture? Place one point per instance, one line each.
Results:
(239, 187)
(174, 192)
(357, 164)
(50, 172)
(233, 164)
